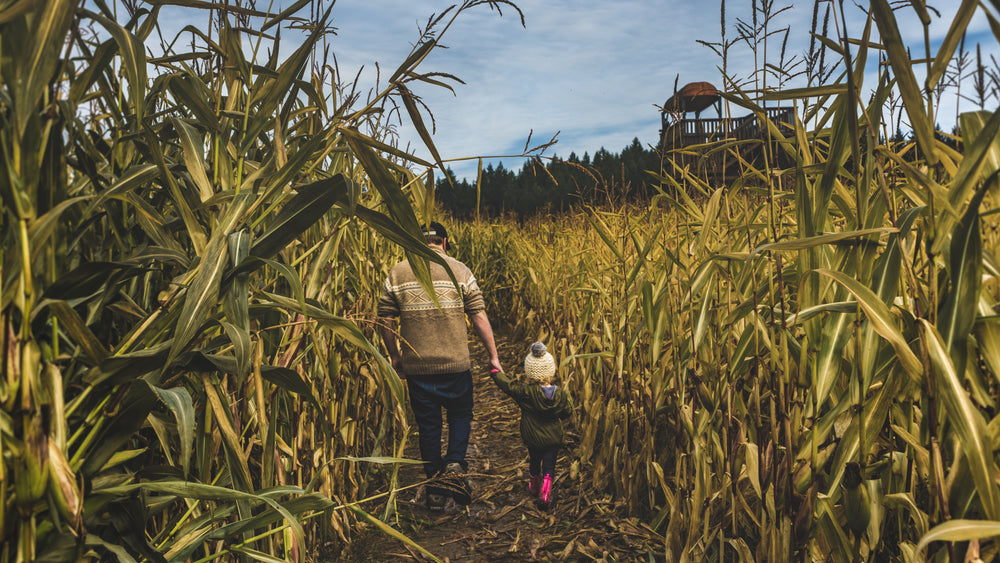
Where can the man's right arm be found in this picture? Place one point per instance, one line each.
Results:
(481, 324)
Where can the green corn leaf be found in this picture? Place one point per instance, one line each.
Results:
(292, 169)
(85, 280)
(239, 468)
(133, 177)
(881, 320)
(601, 227)
(309, 203)
(238, 68)
(418, 123)
(178, 400)
(38, 62)
(15, 10)
(988, 331)
(388, 228)
(81, 334)
(206, 531)
(390, 531)
(242, 347)
(133, 61)
(119, 552)
(876, 412)
(292, 277)
(820, 240)
(965, 418)
(285, 378)
(960, 530)
(179, 195)
(885, 283)
(972, 124)
(836, 333)
(348, 330)
(202, 295)
(268, 91)
(285, 14)
(808, 313)
(902, 68)
(191, 490)
(958, 311)
(42, 228)
(387, 186)
(983, 148)
(130, 413)
(415, 57)
(957, 31)
(711, 215)
(416, 249)
(237, 301)
(193, 144)
(905, 501)
(192, 94)
(701, 324)
(257, 555)
(119, 369)
(384, 460)
(385, 148)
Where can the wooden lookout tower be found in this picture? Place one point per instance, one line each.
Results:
(681, 134)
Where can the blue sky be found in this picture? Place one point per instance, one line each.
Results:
(592, 71)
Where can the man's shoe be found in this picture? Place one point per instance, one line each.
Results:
(534, 484)
(436, 502)
(457, 484)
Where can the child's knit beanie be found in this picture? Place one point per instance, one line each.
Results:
(539, 366)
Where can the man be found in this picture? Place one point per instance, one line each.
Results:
(433, 357)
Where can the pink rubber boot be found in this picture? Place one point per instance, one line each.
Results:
(535, 485)
(545, 495)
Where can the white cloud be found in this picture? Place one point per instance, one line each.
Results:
(592, 70)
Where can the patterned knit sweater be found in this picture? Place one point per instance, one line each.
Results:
(434, 341)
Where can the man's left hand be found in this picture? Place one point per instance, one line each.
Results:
(495, 365)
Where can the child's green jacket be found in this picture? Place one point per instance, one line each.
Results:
(541, 417)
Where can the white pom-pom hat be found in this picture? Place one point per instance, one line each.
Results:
(539, 365)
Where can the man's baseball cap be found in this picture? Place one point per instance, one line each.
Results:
(436, 229)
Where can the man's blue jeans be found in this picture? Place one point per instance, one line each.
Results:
(428, 394)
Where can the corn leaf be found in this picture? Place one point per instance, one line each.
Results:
(965, 418)
(881, 320)
(960, 530)
(952, 39)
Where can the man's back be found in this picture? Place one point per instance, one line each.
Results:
(435, 338)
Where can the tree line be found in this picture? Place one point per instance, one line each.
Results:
(554, 186)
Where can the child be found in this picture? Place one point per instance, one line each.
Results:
(543, 406)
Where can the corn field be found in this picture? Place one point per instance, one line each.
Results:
(801, 364)
(187, 288)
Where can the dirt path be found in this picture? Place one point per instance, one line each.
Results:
(503, 522)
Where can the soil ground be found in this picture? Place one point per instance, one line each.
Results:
(503, 522)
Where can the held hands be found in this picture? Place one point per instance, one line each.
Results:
(495, 365)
